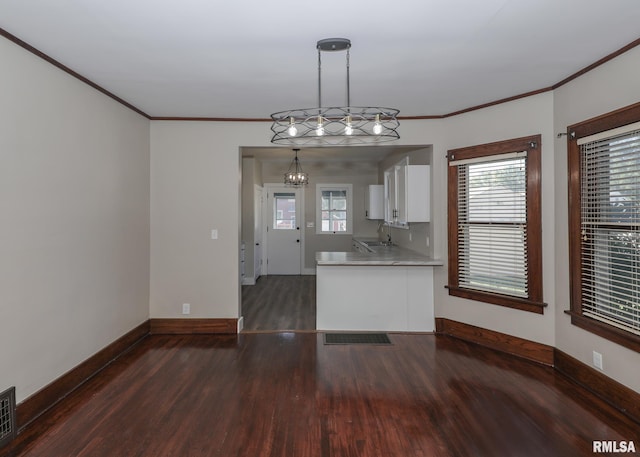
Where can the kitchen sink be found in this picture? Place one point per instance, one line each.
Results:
(376, 243)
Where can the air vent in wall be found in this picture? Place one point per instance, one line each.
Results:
(7, 416)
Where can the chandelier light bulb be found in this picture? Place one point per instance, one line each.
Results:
(377, 127)
(348, 130)
(292, 130)
(320, 127)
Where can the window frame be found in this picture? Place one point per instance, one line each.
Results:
(603, 123)
(348, 188)
(532, 144)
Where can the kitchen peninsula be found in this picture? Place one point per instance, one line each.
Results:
(375, 288)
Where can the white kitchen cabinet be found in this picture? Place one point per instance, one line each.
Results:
(407, 194)
(389, 195)
(374, 201)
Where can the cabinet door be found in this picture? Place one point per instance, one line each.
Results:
(390, 195)
(374, 202)
(401, 194)
(417, 195)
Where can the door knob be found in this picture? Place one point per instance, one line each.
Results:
(297, 241)
(257, 244)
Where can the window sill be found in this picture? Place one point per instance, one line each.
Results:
(498, 299)
(606, 331)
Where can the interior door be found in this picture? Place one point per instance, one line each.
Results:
(283, 231)
(257, 232)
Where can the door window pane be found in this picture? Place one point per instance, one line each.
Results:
(284, 211)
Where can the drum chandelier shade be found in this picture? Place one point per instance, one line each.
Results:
(346, 125)
(295, 177)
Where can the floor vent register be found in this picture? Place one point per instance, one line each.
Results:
(356, 338)
(7, 416)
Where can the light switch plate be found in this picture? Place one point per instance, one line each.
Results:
(214, 234)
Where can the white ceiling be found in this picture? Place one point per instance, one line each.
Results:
(249, 58)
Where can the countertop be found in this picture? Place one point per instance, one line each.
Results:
(381, 256)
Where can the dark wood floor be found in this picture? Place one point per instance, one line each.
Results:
(289, 395)
(280, 303)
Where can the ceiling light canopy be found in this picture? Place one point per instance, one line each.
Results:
(294, 176)
(335, 125)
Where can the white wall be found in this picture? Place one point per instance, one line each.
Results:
(74, 237)
(195, 187)
(604, 89)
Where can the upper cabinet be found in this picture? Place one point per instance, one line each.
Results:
(407, 194)
(374, 201)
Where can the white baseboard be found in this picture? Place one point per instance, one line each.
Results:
(248, 281)
(308, 271)
(240, 323)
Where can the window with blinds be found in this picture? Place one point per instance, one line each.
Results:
(610, 227)
(495, 227)
(492, 225)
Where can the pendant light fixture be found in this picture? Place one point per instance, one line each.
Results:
(295, 177)
(335, 125)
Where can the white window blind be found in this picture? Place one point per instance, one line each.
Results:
(610, 228)
(492, 225)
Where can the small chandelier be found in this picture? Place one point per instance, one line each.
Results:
(294, 176)
(335, 125)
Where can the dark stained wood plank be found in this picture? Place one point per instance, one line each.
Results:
(530, 350)
(278, 302)
(288, 394)
(192, 326)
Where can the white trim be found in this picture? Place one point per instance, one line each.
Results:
(248, 281)
(609, 133)
(491, 158)
(240, 324)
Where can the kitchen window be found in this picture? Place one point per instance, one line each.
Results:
(333, 208)
(604, 225)
(495, 235)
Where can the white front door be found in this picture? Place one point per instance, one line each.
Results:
(283, 231)
(257, 233)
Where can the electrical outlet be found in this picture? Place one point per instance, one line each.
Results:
(597, 360)
(214, 234)
(186, 308)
